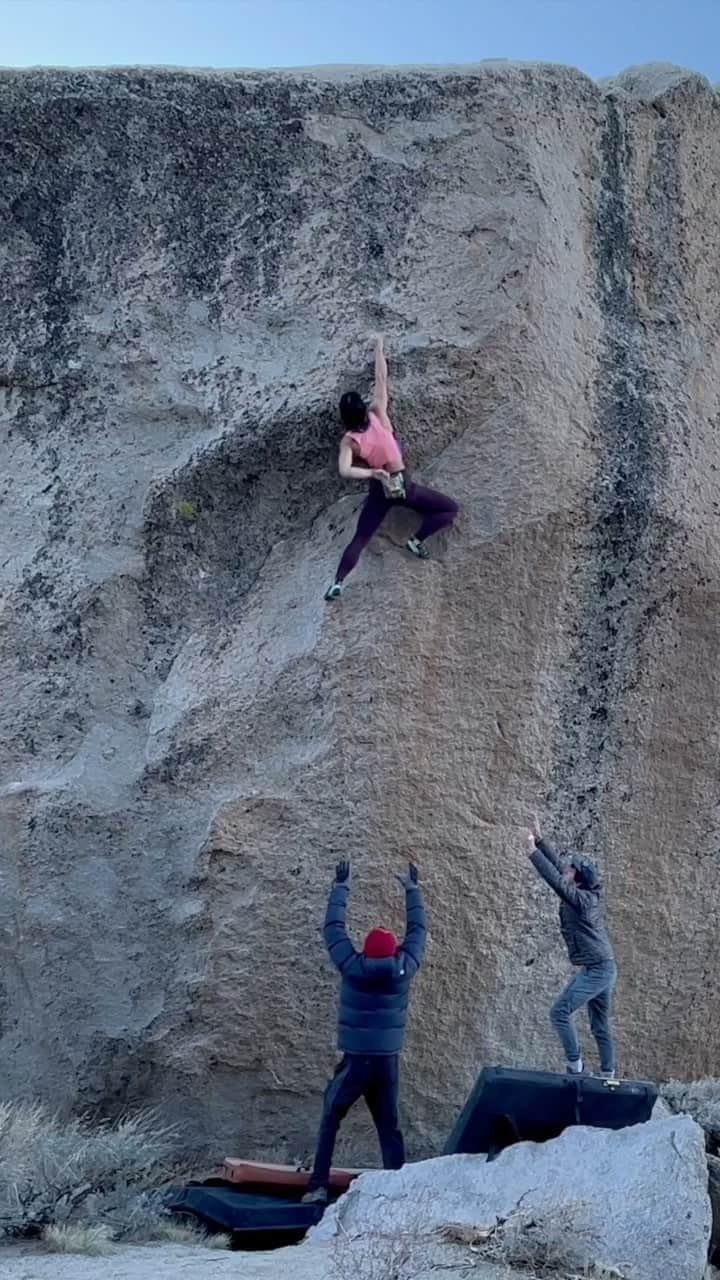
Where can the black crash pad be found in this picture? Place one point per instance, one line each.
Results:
(508, 1106)
(244, 1212)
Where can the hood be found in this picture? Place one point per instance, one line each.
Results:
(587, 873)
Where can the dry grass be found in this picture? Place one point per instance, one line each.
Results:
(475, 1239)
(542, 1242)
(95, 1241)
(53, 1172)
(393, 1255)
(77, 1238)
(553, 1242)
(217, 1241)
(597, 1272)
(171, 1232)
(491, 1242)
(547, 1244)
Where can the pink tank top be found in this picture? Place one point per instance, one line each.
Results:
(377, 446)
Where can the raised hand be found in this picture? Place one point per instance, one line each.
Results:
(530, 842)
(342, 873)
(410, 879)
(536, 828)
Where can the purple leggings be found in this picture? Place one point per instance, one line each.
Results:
(438, 512)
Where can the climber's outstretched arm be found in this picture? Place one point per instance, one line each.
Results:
(380, 392)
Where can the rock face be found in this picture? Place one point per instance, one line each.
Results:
(193, 266)
(713, 1163)
(635, 1200)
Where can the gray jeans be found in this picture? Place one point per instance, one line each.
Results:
(591, 986)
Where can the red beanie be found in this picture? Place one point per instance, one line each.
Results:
(380, 944)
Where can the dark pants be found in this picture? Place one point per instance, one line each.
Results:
(592, 986)
(438, 512)
(374, 1078)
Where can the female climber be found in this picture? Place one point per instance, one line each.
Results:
(370, 451)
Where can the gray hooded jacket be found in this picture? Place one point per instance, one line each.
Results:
(581, 915)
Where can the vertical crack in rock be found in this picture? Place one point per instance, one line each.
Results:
(626, 537)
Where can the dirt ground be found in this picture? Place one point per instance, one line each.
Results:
(180, 1262)
(163, 1262)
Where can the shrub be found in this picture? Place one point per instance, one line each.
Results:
(52, 1171)
(542, 1242)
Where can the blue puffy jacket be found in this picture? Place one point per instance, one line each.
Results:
(374, 993)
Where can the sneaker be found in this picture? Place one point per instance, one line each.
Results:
(575, 1068)
(318, 1196)
(610, 1075)
(418, 549)
(334, 591)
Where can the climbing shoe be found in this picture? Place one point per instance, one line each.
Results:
(318, 1196)
(418, 549)
(334, 591)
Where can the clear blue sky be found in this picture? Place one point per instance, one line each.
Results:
(600, 36)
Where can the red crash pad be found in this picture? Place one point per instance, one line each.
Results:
(252, 1172)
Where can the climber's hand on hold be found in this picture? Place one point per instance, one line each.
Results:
(342, 873)
(410, 879)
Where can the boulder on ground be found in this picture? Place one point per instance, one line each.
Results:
(636, 1200)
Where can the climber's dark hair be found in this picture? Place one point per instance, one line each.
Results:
(353, 411)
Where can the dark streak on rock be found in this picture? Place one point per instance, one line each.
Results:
(627, 537)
